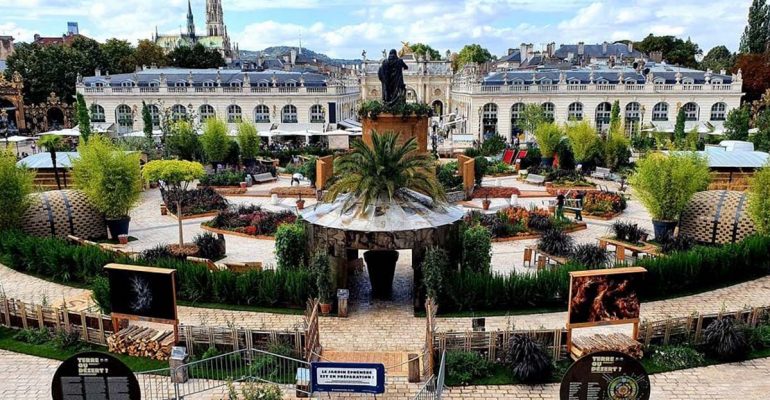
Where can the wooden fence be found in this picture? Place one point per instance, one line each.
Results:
(494, 344)
(312, 348)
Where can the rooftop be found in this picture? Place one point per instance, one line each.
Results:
(198, 77)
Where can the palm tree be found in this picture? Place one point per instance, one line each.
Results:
(52, 143)
(379, 172)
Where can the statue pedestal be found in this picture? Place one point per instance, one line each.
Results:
(407, 127)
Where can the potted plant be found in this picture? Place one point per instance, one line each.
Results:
(548, 137)
(163, 209)
(321, 267)
(300, 202)
(243, 185)
(111, 179)
(664, 184)
(486, 203)
(123, 239)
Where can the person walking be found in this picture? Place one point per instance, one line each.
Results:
(560, 206)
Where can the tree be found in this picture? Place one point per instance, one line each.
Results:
(759, 200)
(183, 141)
(679, 133)
(617, 148)
(582, 138)
(532, 116)
(195, 57)
(755, 70)
(15, 187)
(472, 53)
(737, 123)
(675, 51)
(425, 50)
(548, 136)
(146, 121)
(717, 59)
(148, 53)
(761, 138)
(248, 140)
(757, 32)
(177, 175)
(379, 172)
(615, 116)
(52, 144)
(214, 140)
(118, 56)
(84, 120)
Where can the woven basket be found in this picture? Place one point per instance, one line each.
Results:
(717, 217)
(63, 212)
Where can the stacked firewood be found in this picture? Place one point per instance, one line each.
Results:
(612, 342)
(141, 341)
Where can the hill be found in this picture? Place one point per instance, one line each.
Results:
(278, 51)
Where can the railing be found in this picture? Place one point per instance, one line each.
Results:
(596, 87)
(302, 90)
(177, 89)
(151, 89)
(441, 376)
(433, 388)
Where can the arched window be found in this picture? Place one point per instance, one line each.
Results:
(236, 84)
(630, 81)
(660, 112)
(290, 83)
(573, 81)
(688, 81)
(206, 111)
(716, 81)
(97, 113)
(718, 111)
(546, 81)
(548, 110)
(208, 84)
(516, 113)
(632, 116)
(262, 113)
(289, 114)
(489, 119)
(317, 113)
(438, 108)
(178, 112)
(575, 112)
(125, 118)
(263, 83)
(154, 114)
(180, 83)
(690, 112)
(154, 83)
(128, 83)
(517, 82)
(603, 115)
(659, 81)
(234, 113)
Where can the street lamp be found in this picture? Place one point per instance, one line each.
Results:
(434, 138)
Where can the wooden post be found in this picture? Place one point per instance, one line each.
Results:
(414, 367)
(66, 315)
(7, 311)
(23, 311)
(40, 319)
(101, 330)
(84, 326)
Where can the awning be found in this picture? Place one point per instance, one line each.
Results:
(61, 132)
(16, 139)
(98, 127)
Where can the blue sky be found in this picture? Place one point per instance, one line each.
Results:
(343, 28)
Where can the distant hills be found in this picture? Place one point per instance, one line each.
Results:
(278, 51)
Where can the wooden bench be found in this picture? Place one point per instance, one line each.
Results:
(535, 179)
(542, 259)
(602, 173)
(263, 177)
(637, 251)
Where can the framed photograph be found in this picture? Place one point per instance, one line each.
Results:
(604, 297)
(145, 292)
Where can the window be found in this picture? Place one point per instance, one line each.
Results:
(660, 112)
(234, 113)
(291, 83)
(632, 116)
(97, 113)
(575, 112)
(690, 112)
(602, 81)
(125, 118)
(155, 114)
(573, 81)
(516, 111)
(718, 111)
(517, 82)
(262, 113)
(489, 119)
(289, 114)
(716, 81)
(659, 81)
(180, 84)
(548, 111)
(154, 84)
(687, 81)
(546, 82)
(208, 84)
(178, 112)
(603, 114)
(97, 84)
(263, 83)
(127, 83)
(236, 84)
(317, 113)
(206, 111)
(630, 81)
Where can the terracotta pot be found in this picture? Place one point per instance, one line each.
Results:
(486, 203)
(300, 204)
(163, 209)
(326, 308)
(243, 185)
(123, 239)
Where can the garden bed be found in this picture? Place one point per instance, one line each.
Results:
(495, 192)
(601, 205)
(553, 188)
(196, 203)
(194, 216)
(574, 227)
(226, 190)
(235, 233)
(519, 223)
(295, 191)
(249, 221)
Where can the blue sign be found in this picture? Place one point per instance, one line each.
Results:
(347, 377)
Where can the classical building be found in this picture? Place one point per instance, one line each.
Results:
(649, 97)
(215, 38)
(12, 101)
(66, 39)
(275, 100)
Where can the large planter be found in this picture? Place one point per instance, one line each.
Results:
(663, 229)
(381, 265)
(118, 226)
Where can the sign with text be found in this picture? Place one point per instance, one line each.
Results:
(348, 377)
(94, 375)
(605, 375)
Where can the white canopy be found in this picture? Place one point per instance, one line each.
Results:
(16, 139)
(62, 132)
(155, 132)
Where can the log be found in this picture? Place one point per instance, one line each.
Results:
(142, 342)
(612, 342)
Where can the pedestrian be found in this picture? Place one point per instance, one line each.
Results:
(560, 206)
(579, 207)
(34, 148)
(296, 177)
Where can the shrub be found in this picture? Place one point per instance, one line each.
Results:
(434, 268)
(223, 178)
(628, 231)
(155, 253)
(566, 157)
(248, 140)
(447, 176)
(100, 293)
(532, 158)
(582, 138)
(15, 187)
(183, 141)
(677, 357)
(480, 168)
(67, 339)
(477, 249)
(195, 201)
(254, 391)
(759, 200)
(211, 352)
(590, 255)
(214, 140)
(760, 336)
(670, 243)
(462, 367)
(321, 268)
(529, 362)
(493, 146)
(556, 242)
(726, 339)
(209, 246)
(540, 222)
(665, 183)
(290, 241)
(33, 336)
(548, 137)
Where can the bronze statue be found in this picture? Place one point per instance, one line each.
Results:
(391, 76)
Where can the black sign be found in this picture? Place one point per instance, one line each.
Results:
(142, 291)
(605, 375)
(94, 375)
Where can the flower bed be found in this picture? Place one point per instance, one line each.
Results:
(250, 221)
(495, 192)
(223, 178)
(605, 205)
(195, 202)
(515, 223)
(294, 191)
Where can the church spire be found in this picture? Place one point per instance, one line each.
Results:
(215, 25)
(190, 22)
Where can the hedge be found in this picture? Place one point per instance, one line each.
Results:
(60, 261)
(677, 274)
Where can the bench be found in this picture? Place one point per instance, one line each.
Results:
(535, 179)
(602, 173)
(264, 177)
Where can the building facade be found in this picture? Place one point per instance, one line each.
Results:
(271, 99)
(216, 36)
(649, 98)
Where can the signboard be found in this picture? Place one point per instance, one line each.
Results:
(94, 375)
(605, 375)
(347, 377)
(143, 291)
(603, 296)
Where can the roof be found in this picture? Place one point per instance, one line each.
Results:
(597, 50)
(719, 157)
(43, 160)
(48, 41)
(145, 77)
(515, 56)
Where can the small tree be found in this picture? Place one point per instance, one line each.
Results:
(321, 267)
(183, 142)
(477, 249)
(214, 140)
(617, 148)
(176, 174)
(548, 136)
(582, 138)
(532, 116)
(434, 269)
(615, 116)
(679, 133)
(759, 200)
(290, 240)
(84, 120)
(147, 121)
(737, 124)
(52, 144)
(248, 140)
(15, 187)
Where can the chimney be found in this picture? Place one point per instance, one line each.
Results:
(550, 49)
(98, 72)
(293, 55)
(530, 51)
(523, 51)
(36, 37)
(630, 47)
(581, 48)
(604, 48)
(510, 51)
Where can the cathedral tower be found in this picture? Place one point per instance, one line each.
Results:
(190, 22)
(215, 25)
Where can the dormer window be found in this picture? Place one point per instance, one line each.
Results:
(630, 81)
(573, 81)
(688, 81)
(517, 82)
(263, 83)
(154, 84)
(716, 81)
(97, 84)
(291, 83)
(127, 84)
(659, 81)
(180, 84)
(546, 82)
(208, 84)
(236, 84)
(602, 81)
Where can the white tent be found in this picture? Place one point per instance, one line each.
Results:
(62, 132)
(17, 139)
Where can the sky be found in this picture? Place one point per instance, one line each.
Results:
(343, 28)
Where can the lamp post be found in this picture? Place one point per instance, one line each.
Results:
(434, 138)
